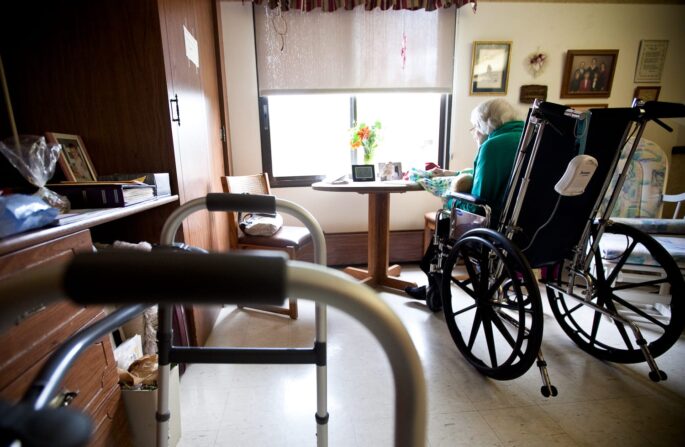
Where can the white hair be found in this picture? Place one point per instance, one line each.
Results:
(490, 115)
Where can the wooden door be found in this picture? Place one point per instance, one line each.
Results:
(189, 113)
(189, 40)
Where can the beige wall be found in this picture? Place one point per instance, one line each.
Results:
(553, 28)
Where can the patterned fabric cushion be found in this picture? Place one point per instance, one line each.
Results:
(613, 246)
(654, 226)
(641, 192)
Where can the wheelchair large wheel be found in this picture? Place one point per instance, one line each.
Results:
(494, 314)
(651, 296)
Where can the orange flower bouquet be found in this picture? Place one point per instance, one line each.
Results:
(366, 137)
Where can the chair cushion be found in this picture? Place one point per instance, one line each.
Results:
(613, 245)
(287, 236)
(654, 226)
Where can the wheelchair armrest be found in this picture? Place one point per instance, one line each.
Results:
(654, 226)
(468, 198)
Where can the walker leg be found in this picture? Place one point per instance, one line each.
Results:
(321, 378)
(163, 348)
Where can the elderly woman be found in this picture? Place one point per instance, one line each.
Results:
(497, 130)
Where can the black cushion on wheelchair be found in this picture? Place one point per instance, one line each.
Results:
(171, 277)
(558, 146)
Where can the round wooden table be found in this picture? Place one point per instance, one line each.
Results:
(379, 272)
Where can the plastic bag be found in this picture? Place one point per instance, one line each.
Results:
(21, 212)
(35, 160)
(260, 224)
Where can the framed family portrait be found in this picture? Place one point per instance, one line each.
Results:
(390, 171)
(490, 68)
(650, 60)
(73, 159)
(588, 73)
(647, 93)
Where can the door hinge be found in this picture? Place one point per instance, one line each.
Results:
(223, 134)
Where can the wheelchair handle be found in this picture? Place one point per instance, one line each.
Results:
(58, 427)
(255, 203)
(156, 277)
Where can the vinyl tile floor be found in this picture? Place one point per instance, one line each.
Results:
(599, 403)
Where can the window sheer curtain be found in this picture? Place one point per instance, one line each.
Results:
(354, 50)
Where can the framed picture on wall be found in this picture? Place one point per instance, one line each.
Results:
(647, 93)
(73, 159)
(588, 73)
(490, 68)
(650, 60)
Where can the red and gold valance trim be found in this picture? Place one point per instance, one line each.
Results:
(332, 5)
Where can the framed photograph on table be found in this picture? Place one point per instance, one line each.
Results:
(490, 68)
(588, 73)
(363, 173)
(650, 60)
(647, 93)
(390, 171)
(73, 159)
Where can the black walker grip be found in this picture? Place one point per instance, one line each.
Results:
(169, 277)
(253, 203)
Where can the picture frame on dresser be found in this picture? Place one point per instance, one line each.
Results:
(73, 159)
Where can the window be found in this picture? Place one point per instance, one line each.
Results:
(330, 70)
(305, 137)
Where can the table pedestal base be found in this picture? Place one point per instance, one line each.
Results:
(387, 280)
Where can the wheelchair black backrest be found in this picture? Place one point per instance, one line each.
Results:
(558, 144)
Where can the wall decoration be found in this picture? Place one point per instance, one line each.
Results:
(536, 62)
(647, 93)
(73, 159)
(490, 68)
(588, 73)
(530, 93)
(650, 60)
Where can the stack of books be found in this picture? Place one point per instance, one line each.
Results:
(104, 194)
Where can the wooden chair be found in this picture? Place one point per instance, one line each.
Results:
(290, 239)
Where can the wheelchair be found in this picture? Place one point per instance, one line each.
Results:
(554, 218)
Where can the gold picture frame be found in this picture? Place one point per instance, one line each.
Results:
(73, 159)
(588, 73)
(490, 67)
(647, 92)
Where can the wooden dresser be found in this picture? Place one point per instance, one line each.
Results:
(26, 347)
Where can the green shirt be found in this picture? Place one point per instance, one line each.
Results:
(493, 164)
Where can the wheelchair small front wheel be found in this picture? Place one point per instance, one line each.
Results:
(494, 311)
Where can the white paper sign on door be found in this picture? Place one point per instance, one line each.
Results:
(191, 47)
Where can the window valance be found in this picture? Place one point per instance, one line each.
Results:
(332, 5)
